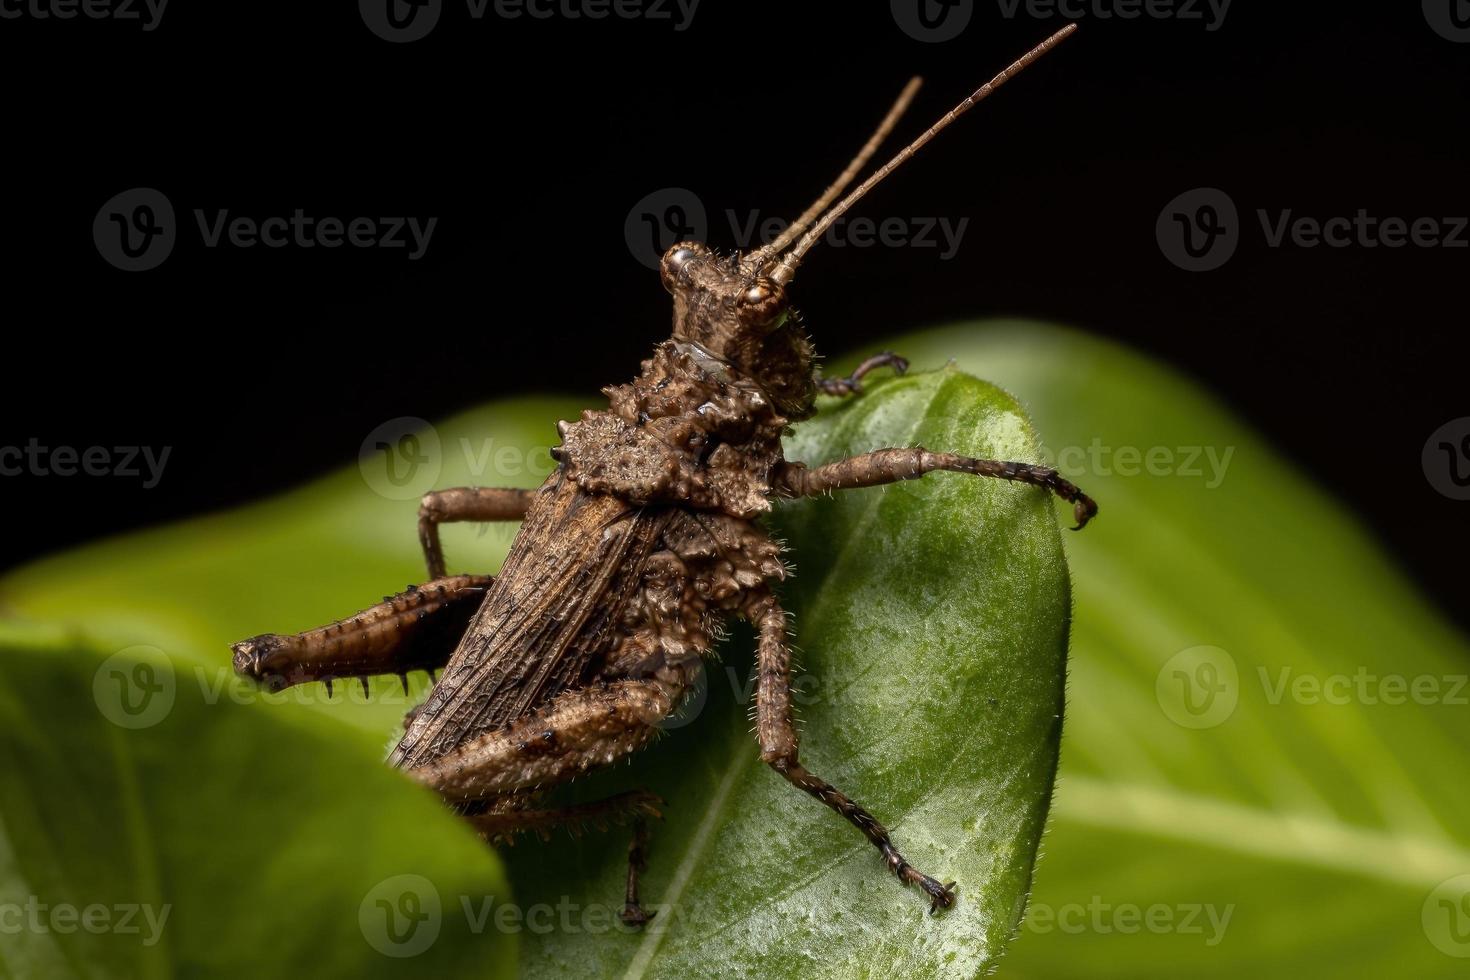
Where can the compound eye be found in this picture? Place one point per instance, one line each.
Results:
(674, 267)
(762, 302)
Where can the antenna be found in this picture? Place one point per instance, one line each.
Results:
(787, 269)
(761, 256)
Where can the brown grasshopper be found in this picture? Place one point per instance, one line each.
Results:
(631, 554)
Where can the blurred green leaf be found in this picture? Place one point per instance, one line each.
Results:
(936, 616)
(152, 826)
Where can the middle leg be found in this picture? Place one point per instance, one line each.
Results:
(465, 504)
(778, 740)
(633, 913)
(504, 824)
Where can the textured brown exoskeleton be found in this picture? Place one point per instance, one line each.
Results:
(630, 555)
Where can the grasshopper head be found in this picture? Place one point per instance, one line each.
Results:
(743, 318)
(718, 305)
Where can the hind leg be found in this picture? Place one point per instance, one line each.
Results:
(577, 731)
(414, 630)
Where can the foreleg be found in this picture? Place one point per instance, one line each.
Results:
(852, 384)
(892, 465)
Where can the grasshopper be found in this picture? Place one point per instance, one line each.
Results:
(632, 553)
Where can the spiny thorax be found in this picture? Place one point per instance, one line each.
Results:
(686, 431)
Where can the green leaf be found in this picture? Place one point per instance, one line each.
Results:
(1333, 828)
(932, 623)
(152, 826)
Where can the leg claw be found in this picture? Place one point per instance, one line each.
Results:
(633, 915)
(943, 896)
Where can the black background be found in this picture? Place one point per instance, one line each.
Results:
(531, 140)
